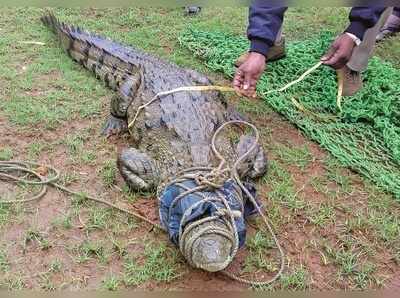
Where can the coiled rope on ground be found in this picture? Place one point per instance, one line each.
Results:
(11, 171)
(206, 178)
(26, 168)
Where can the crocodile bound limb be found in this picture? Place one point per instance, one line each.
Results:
(171, 135)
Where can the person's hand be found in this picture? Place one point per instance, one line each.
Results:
(340, 52)
(248, 74)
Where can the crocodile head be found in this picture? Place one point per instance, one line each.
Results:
(208, 245)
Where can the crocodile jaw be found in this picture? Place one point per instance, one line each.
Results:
(208, 245)
(211, 253)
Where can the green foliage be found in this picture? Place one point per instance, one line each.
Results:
(12, 283)
(258, 258)
(158, 265)
(111, 283)
(296, 280)
(4, 214)
(99, 218)
(33, 235)
(4, 264)
(365, 136)
(88, 250)
(349, 261)
(293, 155)
(108, 173)
(55, 266)
(322, 216)
(6, 153)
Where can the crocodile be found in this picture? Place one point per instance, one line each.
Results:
(172, 134)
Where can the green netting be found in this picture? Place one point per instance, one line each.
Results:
(366, 134)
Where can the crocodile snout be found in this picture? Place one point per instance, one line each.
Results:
(208, 246)
(212, 252)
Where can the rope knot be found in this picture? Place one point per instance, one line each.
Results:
(214, 179)
(227, 213)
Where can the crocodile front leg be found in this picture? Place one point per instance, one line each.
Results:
(139, 171)
(114, 126)
(117, 121)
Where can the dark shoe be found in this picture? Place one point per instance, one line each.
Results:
(192, 10)
(383, 34)
(276, 52)
(352, 81)
(392, 27)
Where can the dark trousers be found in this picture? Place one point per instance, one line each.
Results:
(396, 11)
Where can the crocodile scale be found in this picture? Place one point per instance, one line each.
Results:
(170, 135)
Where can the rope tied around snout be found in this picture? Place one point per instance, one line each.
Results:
(213, 179)
(205, 178)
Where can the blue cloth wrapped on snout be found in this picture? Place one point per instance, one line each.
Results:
(172, 216)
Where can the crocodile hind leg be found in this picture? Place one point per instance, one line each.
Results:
(256, 164)
(139, 171)
(117, 121)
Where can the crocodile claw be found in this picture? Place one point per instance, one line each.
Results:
(139, 170)
(114, 126)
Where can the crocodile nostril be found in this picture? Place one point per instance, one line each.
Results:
(211, 250)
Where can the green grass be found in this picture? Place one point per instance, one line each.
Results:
(295, 155)
(108, 173)
(296, 280)
(55, 266)
(12, 283)
(119, 246)
(64, 221)
(75, 143)
(4, 214)
(78, 150)
(159, 265)
(283, 189)
(89, 250)
(56, 109)
(353, 267)
(6, 153)
(365, 277)
(111, 283)
(335, 173)
(4, 263)
(32, 236)
(321, 216)
(36, 148)
(258, 258)
(46, 283)
(99, 218)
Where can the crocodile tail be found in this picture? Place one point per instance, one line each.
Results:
(73, 40)
(51, 22)
(92, 51)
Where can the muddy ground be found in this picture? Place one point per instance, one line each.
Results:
(337, 230)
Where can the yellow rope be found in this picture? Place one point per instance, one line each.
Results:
(230, 89)
(298, 80)
(26, 167)
(340, 77)
(180, 89)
